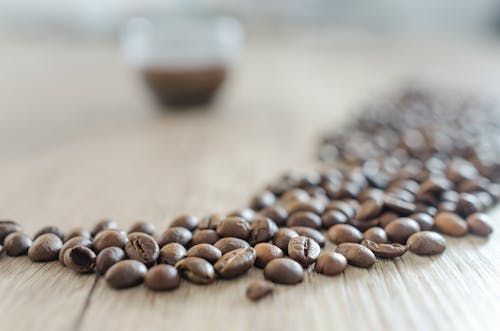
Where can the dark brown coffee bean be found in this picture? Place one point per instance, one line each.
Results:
(210, 222)
(262, 200)
(424, 220)
(333, 217)
(478, 223)
(343, 207)
(108, 257)
(45, 248)
(304, 218)
(259, 289)
(228, 244)
(105, 224)
(401, 229)
(313, 206)
(177, 234)
(235, 263)
(387, 218)
(330, 263)
(310, 233)
(468, 204)
(126, 273)
(284, 271)
(364, 225)
(344, 233)
(7, 227)
(162, 277)
(76, 241)
(426, 243)
(246, 213)
(196, 269)
(17, 244)
(303, 250)
(142, 247)
(205, 237)
(234, 226)
(451, 224)
(294, 195)
(110, 238)
(356, 254)
(77, 232)
(205, 251)
(144, 227)
(399, 206)
(50, 229)
(80, 259)
(172, 253)
(434, 185)
(388, 251)
(377, 235)
(282, 238)
(369, 209)
(262, 229)
(265, 253)
(277, 214)
(186, 221)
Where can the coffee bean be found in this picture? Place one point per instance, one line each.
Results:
(447, 206)
(399, 206)
(144, 227)
(45, 248)
(265, 253)
(234, 226)
(76, 241)
(424, 220)
(110, 238)
(376, 234)
(176, 234)
(468, 204)
(284, 271)
(344, 233)
(142, 247)
(246, 213)
(282, 238)
(205, 237)
(427, 243)
(387, 218)
(304, 218)
(228, 244)
(343, 207)
(172, 253)
(333, 217)
(126, 273)
(107, 258)
(186, 221)
(312, 206)
(449, 196)
(262, 200)
(293, 195)
(162, 277)
(434, 185)
(356, 254)
(80, 259)
(262, 229)
(369, 209)
(196, 269)
(50, 229)
(478, 223)
(451, 224)
(330, 263)
(105, 224)
(6, 228)
(364, 225)
(388, 251)
(259, 289)
(210, 222)
(401, 229)
(17, 243)
(77, 232)
(277, 214)
(303, 250)
(235, 263)
(310, 233)
(205, 251)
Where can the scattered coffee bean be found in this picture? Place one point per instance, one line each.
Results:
(427, 243)
(186, 221)
(451, 224)
(364, 225)
(262, 200)
(126, 273)
(284, 271)
(76, 241)
(478, 223)
(277, 214)
(468, 204)
(343, 207)
(303, 250)
(210, 222)
(144, 227)
(330, 263)
(376, 234)
(356, 254)
(310, 233)
(205, 251)
(388, 251)
(206, 236)
(176, 234)
(262, 229)
(333, 217)
(196, 269)
(282, 238)
(142, 247)
(304, 218)
(311, 206)
(265, 253)
(387, 218)
(424, 220)
(109, 238)
(234, 226)
(369, 209)
(172, 253)
(50, 229)
(17, 243)
(259, 289)
(6, 228)
(77, 232)
(399, 206)
(246, 213)
(162, 277)
(228, 244)
(80, 259)
(235, 263)
(344, 233)
(45, 248)
(102, 225)
(107, 258)
(401, 229)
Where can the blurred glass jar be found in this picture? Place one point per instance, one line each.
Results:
(184, 60)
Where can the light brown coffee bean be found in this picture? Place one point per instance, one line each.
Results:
(144, 227)
(50, 229)
(312, 206)
(162, 277)
(424, 220)
(17, 244)
(265, 253)
(108, 257)
(451, 224)
(126, 273)
(76, 241)
(176, 234)
(77, 232)
(356, 254)
(45, 248)
(262, 229)
(303, 250)
(387, 218)
(186, 221)
(234, 226)
(110, 238)
(196, 270)
(282, 238)
(376, 234)
(277, 214)
(105, 224)
(427, 243)
(284, 271)
(330, 263)
(80, 259)
(210, 222)
(142, 247)
(344, 233)
(310, 233)
(206, 236)
(258, 289)
(228, 244)
(172, 253)
(401, 229)
(333, 217)
(304, 218)
(479, 224)
(388, 251)
(7, 227)
(205, 251)
(235, 263)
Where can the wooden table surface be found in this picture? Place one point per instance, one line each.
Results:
(80, 140)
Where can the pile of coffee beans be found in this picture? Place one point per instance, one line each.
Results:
(403, 175)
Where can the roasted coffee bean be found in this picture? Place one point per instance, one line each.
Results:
(364, 225)
(387, 218)
(344, 233)
(313, 206)
(342, 206)
(426, 243)
(330, 263)
(485, 199)
(76, 241)
(424, 220)
(246, 213)
(282, 238)
(7, 227)
(262, 200)
(107, 258)
(399, 206)
(333, 217)
(277, 214)
(447, 206)
(401, 229)
(259, 289)
(186, 221)
(142, 247)
(50, 229)
(172, 253)
(388, 251)
(371, 194)
(451, 224)
(449, 196)
(284, 271)
(144, 227)
(262, 229)
(356, 254)
(234, 226)
(478, 223)
(434, 185)
(77, 232)
(210, 222)
(265, 253)
(205, 237)
(228, 244)
(235, 263)
(45, 248)
(110, 238)
(17, 243)
(304, 218)
(126, 273)
(369, 209)
(162, 277)
(303, 250)
(196, 269)
(176, 234)
(310, 233)
(205, 251)
(468, 204)
(80, 259)
(293, 195)
(105, 224)
(377, 235)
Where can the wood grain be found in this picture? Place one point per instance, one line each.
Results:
(79, 141)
